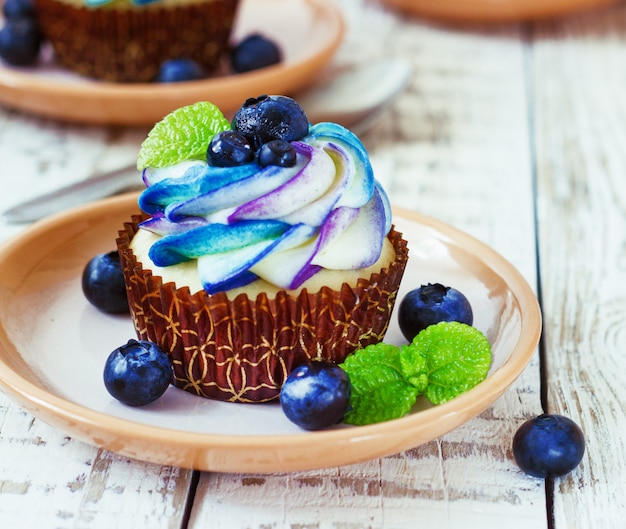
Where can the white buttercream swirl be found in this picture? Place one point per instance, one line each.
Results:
(280, 224)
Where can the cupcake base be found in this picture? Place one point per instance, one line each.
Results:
(243, 349)
(129, 44)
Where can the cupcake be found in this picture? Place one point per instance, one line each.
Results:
(272, 246)
(128, 40)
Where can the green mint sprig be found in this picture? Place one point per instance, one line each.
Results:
(442, 362)
(183, 134)
(379, 390)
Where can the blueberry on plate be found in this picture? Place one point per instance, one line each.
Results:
(430, 304)
(229, 148)
(266, 118)
(548, 446)
(13, 9)
(103, 283)
(137, 373)
(277, 152)
(254, 52)
(315, 395)
(177, 70)
(20, 41)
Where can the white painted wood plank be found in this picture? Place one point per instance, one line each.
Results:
(580, 82)
(48, 480)
(40, 155)
(454, 146)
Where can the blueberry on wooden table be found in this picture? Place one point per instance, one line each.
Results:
(315, 395)
(548, 446)
(137, 373)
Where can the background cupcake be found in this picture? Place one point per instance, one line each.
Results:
(128, 40)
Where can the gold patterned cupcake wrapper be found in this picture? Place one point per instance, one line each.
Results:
(129, 45)
(243, 349)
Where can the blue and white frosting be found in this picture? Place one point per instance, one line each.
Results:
(100, 3)
(279, 224)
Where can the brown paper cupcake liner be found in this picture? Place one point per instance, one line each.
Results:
(129, 45)
(243, 349)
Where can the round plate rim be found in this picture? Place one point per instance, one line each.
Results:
(493, 10)
(195, 448)
(37, 94)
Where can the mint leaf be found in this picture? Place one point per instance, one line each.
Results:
(414, 368)
(379, 390)
(183, 134)
(457, 356)
(443, 361)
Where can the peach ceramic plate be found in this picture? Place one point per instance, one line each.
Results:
(53, 346)
(308, 32)
(493, 10)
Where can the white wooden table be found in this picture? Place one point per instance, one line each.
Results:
(515, 134)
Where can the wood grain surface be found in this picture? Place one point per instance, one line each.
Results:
(581, 206)
(514, 133)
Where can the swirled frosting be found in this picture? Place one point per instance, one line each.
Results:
(100, 3)
(281, 224)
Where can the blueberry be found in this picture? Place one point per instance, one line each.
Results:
(548, 446)
(137, 373)
(229, 149)
(103, 283)
(277, 152)
(315, 395)
(430, 304)
(13, 9)
(254, 52)
(20, 42)
(176, 70)
(266, 118)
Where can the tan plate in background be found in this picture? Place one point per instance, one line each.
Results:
(492, 10)
(308, 31)
(53, 346)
